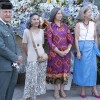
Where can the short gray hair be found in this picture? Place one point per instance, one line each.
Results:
(53, 14)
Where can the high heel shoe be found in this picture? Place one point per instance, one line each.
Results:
(95, 95)
(83, 96)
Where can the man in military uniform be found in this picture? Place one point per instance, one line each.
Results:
(8, 52)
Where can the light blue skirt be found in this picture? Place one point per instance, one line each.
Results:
(85, 69)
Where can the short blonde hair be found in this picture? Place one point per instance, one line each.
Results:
(82, 11)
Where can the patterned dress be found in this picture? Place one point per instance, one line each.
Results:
(58, 67)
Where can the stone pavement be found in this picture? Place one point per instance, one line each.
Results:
(73, 94)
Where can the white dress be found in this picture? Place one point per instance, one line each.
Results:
(35, 83)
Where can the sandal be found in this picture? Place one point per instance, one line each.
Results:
(56, 95)
(62, 93)
(28, 98)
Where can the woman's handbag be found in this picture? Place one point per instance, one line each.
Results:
(42, 56)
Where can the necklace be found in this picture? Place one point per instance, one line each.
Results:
(86, 24)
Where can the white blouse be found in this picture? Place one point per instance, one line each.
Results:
(86, 33)
(38, 39)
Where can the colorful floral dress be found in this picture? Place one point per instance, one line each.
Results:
(58, 67)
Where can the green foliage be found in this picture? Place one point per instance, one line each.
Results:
(69, 21)
(79, 1)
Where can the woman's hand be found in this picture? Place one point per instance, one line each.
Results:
(66, 51)
(79, 55)
(61, 53)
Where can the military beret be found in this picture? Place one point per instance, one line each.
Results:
(5, 4)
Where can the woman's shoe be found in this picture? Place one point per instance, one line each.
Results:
(62, 94)
(95, 95)
(56, 95)
(83, 96)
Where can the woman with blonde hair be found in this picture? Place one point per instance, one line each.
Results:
(85, 65)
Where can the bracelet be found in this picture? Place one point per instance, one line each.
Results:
(69, 49)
